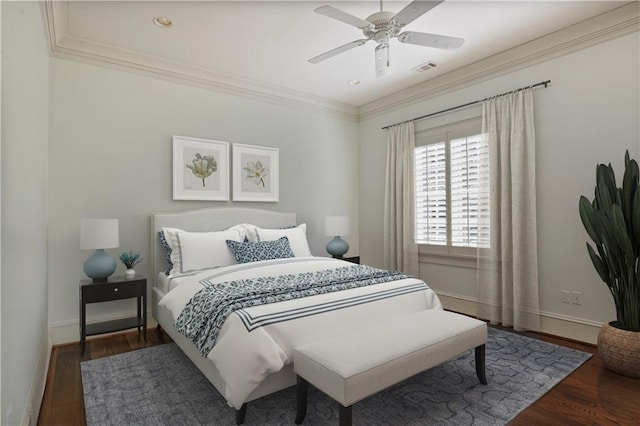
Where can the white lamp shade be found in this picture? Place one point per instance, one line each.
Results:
(336, 226)
(99, 233)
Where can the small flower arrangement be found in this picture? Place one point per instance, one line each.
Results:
(130, 258)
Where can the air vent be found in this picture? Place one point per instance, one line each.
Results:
(424, 67)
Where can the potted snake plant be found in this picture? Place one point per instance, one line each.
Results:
(612, 221)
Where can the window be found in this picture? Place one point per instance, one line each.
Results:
(451, 167)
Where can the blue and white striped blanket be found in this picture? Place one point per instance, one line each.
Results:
(206, 312)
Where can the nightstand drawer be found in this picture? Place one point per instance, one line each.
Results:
(112, 291)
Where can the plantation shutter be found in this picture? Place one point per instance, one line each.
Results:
(468, 156)
(431, 194)
(451, 177)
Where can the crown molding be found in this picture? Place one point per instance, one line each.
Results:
(616, 23)
(63, 45)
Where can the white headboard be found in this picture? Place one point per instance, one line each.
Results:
(213, 219)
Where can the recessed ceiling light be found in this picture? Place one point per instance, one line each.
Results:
(354, 82)
(163, 21)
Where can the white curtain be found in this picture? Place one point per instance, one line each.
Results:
(400, 248)
(508, 269)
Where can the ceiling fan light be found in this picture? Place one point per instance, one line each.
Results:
(382, 59)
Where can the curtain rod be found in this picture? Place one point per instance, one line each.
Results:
(542, 83)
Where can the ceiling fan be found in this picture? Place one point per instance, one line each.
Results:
(383, 26)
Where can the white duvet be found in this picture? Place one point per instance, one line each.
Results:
(255, 342)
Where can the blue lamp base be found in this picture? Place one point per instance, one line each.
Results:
(337, 247)
(99, 266)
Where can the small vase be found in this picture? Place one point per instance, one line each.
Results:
(129, 273)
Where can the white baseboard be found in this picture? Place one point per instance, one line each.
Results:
(38, 383)
(550, 323)
(69, 331)
(570, 327)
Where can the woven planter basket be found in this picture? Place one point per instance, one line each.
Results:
(620, 350)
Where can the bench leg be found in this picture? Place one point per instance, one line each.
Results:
(301, 399)
(241, 413)
(480, 361)
(345, 415)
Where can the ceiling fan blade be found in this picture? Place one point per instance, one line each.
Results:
(337, 50)
(341, 16)
(431, 40)
(382, 59)
(413, 11)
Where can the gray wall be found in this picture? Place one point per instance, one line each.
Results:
(110, 156)
(24, 157)
(588, 115)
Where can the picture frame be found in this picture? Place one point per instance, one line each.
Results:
(200, 169)
(256, 173)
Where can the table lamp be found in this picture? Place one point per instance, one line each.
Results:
(99, 234)
(335, 226)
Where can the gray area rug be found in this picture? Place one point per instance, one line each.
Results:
(161, 386)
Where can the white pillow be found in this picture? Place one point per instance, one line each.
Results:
(250, 232)
(297, 238)
(195, 251)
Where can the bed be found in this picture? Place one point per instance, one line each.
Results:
(251, 335)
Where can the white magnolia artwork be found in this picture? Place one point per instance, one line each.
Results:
(255, 173)
(200, 169)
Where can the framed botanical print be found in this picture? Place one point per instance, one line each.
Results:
(200, 169)
(255, 173)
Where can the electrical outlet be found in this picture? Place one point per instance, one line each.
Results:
(576, 297)
(565, 296)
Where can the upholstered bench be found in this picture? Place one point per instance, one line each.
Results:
(354, 365)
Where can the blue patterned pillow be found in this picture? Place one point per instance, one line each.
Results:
(164, 243)
(249, 251)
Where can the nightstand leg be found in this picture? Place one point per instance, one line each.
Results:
(83, 324)
(144, 314)
(139, 300)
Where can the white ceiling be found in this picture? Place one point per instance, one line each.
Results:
(266, 44)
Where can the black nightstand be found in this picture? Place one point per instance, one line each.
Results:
(115, 288)
(354, 259)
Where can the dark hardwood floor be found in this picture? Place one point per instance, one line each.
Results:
(63, 403)
(592, 395)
